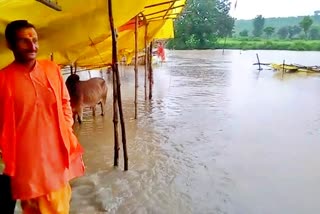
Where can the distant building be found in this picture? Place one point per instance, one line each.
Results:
(317, 12)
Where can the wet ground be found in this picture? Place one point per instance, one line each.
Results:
(218, 137)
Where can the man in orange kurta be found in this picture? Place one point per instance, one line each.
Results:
(160, 52)
(40, 152)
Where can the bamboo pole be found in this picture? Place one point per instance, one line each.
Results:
(115, 100)
(116, 77)
(146, 60)
(115, 120)
(71, 69)
(136, 67)
(150, 71)
(75, 68)
(283, 70)
(259, 62)
(146, 54)
(224, 44)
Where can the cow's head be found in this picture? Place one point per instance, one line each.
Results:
(71, 82)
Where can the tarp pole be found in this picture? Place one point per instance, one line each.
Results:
(146, 57)
(150, 71)
(117, 95)
(136, 67)
(76, 68)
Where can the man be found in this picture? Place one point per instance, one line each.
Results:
(160, 52)
(39, 150)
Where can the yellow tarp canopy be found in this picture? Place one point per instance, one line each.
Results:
(98, 56)
(80, 33)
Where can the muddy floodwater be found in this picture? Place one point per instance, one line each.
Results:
(218, 137)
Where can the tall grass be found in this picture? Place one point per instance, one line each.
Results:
(264, 44)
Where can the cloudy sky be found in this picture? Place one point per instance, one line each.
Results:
(249, 9)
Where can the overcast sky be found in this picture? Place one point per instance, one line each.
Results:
(249, 9)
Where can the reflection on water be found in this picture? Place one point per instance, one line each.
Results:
(218, 137)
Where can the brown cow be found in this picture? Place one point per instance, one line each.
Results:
(86, 93)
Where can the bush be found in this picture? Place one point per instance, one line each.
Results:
(244, 44)
(268, 45)
(256, 39)
(300, 46)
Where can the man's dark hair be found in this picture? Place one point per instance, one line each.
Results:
(13, 27)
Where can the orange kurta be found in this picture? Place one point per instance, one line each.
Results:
(40, 151)
(160, 52)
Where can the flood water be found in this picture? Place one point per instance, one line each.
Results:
(218, 137)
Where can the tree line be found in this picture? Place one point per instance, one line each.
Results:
(204, 23)
(305, 29)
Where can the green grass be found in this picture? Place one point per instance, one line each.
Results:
(272, 44)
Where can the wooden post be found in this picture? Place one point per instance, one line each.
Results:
(150, 71)
(259, 63)
(51, 57)
(136, 67)
(115, 120)
(224, 44)
(146, 60)
(75, 68)
(71, 69)
(117, 88)
(283, 70)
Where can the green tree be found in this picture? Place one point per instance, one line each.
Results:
(293, 31)
(305, 24)
(283, 32)
(314, 33)
(201, 23)
(244, 33)
(192, 42)
(195, 24)
(269, 31)
(224, 22)
(258, 25)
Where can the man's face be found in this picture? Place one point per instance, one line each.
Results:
(26, 45)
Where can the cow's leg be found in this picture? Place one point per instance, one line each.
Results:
(102, 109)
(74, 115)
(103, 104)
(80, 114)
(93, 111)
